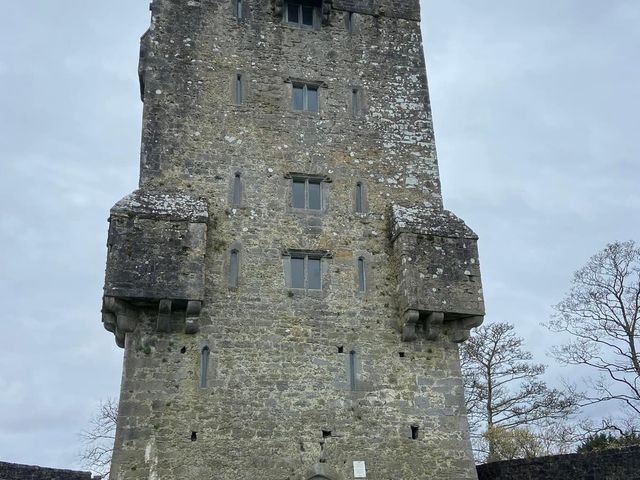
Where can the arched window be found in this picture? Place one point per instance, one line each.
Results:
(204, 366)
(237, 190)
(234, 268)
(359, 197)
(362, 280)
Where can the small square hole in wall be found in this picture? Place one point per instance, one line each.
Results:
(340, 349)
(194, 436)
(401, 354)
(326, 433)
(183, 350)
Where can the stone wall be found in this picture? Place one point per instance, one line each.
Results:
(283, 383)
(14, 471)
(614, 464)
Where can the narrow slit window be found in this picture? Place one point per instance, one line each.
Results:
(234, 269)
(414, 432)
(355, 102)
(238, 89)
(237, 190)
(359, 197)
(362, 282)
(204, 366)
(237, 8)
(352, 370)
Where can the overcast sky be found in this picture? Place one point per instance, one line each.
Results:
(536, 108)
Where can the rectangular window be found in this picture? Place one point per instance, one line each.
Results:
(305, 97)
(301, 14)
(307, 193)
(306, 272)
(314, 274)
(297, 272)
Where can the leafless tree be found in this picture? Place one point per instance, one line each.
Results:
(99, 437)
(601, 314)
(503, 389)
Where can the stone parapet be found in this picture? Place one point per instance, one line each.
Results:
(15, 471)
(613, 464)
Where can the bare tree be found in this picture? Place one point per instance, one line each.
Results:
(601, 313)
(503, 389)
(98, 439)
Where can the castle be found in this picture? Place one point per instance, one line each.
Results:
(286, 285)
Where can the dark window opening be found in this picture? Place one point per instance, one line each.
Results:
(362, 283)
(355, 102)
(234, 269)
(326, 433)
(204, 366)
(237, 190)
(305, 97)
(307, 194)
(352, 370)
(359, 198)
(340, 349)
(414, 432)
(183, 350)
(194, 436)
(238, 90)
(301, 14)
(306, 272)
(237, 8)
(349, 22)
(401, 354)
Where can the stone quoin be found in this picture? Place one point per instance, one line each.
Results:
(286, 284)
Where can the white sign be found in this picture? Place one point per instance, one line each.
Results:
(359, 470)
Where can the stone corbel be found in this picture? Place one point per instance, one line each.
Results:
(118, 317)
(192, 321)
(163, 323)
(413, 325)
(409, 323)
(433, 324)
(461, 329)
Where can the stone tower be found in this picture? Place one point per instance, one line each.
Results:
(285, 282)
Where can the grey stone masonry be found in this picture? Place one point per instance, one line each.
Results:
(612, 464)
(259, 280)
(15, 471)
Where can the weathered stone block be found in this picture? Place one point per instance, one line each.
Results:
(438, 272)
